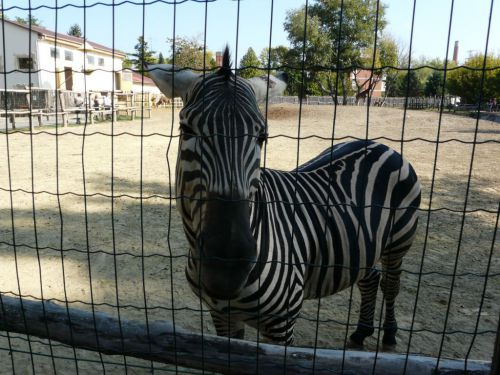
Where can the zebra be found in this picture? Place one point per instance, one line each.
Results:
(261, 241)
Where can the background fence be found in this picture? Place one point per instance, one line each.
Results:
(409, 103)
(448, 103)
(45, 99)
(90, 236)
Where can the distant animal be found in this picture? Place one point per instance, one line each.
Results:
(270, 86)
(261, 240)
(162, 101)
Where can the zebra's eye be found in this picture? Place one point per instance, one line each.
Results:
(261, 138)
(185, 129)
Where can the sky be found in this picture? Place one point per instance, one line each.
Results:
(248, 23)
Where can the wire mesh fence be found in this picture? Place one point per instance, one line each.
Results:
(88, 216)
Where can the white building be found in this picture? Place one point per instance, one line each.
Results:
(57, 60)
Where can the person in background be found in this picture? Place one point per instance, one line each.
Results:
(79, 100)
(96, 102)
(107, 101)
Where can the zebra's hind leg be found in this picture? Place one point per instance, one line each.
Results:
(390, 284)
(233, 328)
(368, 287)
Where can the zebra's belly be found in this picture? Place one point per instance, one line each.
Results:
(326, 277)
(322, 285)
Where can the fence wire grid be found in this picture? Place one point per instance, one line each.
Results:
(87, 210)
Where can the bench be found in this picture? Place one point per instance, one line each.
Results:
(81, 114)
(50, 112)
(22, 113)
(103, 113)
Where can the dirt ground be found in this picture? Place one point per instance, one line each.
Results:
(108, 203)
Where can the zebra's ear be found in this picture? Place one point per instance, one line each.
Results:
(277, 85)
(172, 81)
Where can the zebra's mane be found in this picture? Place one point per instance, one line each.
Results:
(225, 69)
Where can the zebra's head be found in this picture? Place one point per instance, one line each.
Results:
(218, 169)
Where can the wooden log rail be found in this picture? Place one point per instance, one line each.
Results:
(166, 345)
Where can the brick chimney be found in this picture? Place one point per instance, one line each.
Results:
(455, 53)
(218, 58)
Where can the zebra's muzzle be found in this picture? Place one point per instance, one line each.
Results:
(228, 251)
(225, 283)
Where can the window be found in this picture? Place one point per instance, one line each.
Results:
(25, 63)
(68, 55)
(100, 61)
(90, 60)
(127, 77)
(54, 52)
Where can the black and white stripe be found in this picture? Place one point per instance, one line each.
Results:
(318, 229)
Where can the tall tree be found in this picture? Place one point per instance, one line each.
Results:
(434, 84)
(127, 64)
(143, 54)
(274, 58)
(313, 50)
(390, 57)
(333, 39)
(396, 71)
(410, 85)
(29, 20)
(189, 53)
(466, 82)
(282, 58)
(376, 64)
(249, 64)
(161, 59)
(75, 30)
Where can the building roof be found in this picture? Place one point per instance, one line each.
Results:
(137, 79)
(78, 41)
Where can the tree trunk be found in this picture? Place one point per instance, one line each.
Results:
(344, 90)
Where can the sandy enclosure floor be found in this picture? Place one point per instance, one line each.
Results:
(108, 203)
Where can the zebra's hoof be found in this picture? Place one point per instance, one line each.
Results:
(354, 345)
(389, 347)
(356, 341)
(239, 334)
(389, 342)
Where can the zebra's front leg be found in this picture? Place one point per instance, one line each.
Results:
(228, 326)
(280, 331)
(368, 287)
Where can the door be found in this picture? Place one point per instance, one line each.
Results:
(118, 81)
(68, 78)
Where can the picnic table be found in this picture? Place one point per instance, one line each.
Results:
(90, 114)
